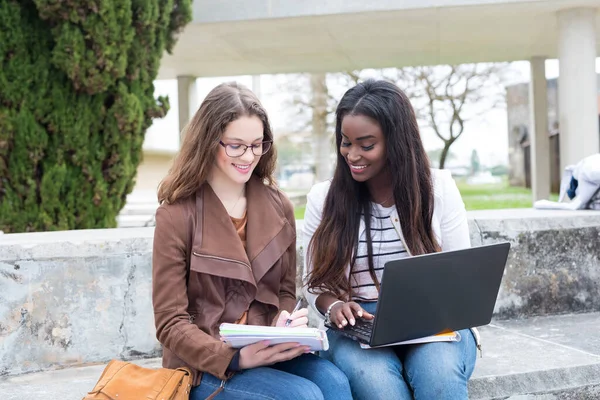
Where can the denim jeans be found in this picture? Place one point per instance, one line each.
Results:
(431, 371)
(305, 377)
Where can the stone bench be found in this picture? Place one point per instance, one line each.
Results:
(545, 358)
(78, 297)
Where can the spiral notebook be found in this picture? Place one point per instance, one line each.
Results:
(237, 336)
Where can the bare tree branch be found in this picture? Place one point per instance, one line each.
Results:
(446, 97)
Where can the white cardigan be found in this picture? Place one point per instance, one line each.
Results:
(449, 219)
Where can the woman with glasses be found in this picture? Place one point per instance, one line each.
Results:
(225, 252)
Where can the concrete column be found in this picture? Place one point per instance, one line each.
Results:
(323, 140)
(577, 86)
(256, 86)
(187, 97)
(538, 130)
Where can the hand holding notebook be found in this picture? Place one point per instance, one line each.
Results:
(238, 336)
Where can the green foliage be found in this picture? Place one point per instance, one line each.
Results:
(483, 197)
(436, 154)
(499, 170)
(299, 212)
(475, 163)
(496, 196)
(76, 97)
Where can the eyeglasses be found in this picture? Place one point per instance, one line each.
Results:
(238, 150)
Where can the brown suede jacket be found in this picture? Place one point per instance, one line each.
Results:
(202, 276)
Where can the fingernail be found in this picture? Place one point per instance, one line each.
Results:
(344, 322)
(360, 313)
(352, 322)
(340, 326)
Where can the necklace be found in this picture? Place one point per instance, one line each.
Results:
(386, 200)
(237, 201)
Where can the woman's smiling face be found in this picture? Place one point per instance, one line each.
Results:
(363, 147)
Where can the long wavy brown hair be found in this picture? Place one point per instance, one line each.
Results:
(194, 162)
(335, 242)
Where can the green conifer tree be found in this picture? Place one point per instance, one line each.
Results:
(76, 98)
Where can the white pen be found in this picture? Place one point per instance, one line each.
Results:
(289, 321)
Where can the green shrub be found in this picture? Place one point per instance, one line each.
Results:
(76, 97)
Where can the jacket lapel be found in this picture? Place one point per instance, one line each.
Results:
(217, 249)
(269, 234)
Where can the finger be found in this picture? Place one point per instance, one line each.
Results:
(289, 354)
(349, 314)
(367, 315)
(356, 309)
(340, 318)
(299, 322)
(303, 312)
(278, 348)
(258, 346)
(359, 311)
(276, 353)
(283, 317)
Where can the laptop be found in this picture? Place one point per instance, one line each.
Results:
(433, 293)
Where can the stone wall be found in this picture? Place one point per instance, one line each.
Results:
(74, 297)
(554, 263)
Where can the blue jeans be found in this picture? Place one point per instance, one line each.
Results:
(431, 371)
(305, 377)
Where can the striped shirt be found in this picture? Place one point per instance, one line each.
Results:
(386, 245)
(449, 224)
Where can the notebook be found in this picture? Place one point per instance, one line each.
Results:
(442, 337)
(237, 336)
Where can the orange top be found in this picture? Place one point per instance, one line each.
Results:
(240, 227)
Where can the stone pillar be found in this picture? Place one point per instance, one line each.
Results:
(577, 85)
(538, 130)
(256, 86)
(187, 97)
(323, 140)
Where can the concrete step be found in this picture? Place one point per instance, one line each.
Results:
(139, 209)
(549, 358)
(543, 358)
(135, 221)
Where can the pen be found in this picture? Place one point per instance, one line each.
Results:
(289, 321)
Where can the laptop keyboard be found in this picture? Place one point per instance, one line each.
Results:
(362, 326)
(360, 332)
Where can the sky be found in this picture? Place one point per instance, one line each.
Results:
(488, 134)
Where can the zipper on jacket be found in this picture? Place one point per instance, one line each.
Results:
(398, 228)
(223, 259)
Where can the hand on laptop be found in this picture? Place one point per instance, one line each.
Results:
(342, 314)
